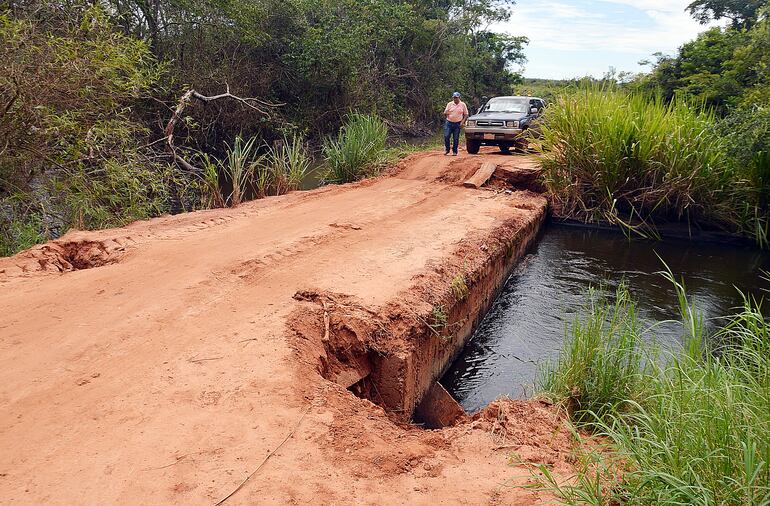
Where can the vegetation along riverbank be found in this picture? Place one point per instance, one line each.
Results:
(115, 111)
(688, 426)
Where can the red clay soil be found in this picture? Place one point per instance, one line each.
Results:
(163, 362)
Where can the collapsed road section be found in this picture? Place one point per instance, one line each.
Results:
(285, 350)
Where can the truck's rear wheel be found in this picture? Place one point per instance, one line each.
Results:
(505, 149)
(472, 147)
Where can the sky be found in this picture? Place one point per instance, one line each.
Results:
(575, 38)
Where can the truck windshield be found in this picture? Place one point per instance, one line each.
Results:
(507, 105)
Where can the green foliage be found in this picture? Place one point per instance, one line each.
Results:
(601, 368)
(239, 167)
(250, 174)
(73, 147)
(210, 182)
(747, 136)
(742, 12)
(112, 194)
(489, 63)
(635, 161)
(724, 68)
(440, 318)
(459, 287)
(693, 428)
(286, 163)
(20, 226)
(358, 151)
(67, 95)
(85, 88)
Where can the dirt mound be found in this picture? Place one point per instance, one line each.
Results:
(534, 432)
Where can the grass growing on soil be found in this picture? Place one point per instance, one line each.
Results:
(633, 161)
(285, 165)
(459, 287)
(691, 429)
(358, 150)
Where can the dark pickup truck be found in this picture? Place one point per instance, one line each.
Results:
(502, 122)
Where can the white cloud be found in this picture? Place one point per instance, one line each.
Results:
(608, 29)
(672, 6)
(561, 10)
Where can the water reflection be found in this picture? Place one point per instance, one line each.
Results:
(527, 324)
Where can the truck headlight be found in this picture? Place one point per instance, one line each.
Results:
(512, 124)
(470, 123)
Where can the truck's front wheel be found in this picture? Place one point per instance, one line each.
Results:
(472, 147)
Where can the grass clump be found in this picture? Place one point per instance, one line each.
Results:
(254, 171)
(439, 316)
(19, 228)
(691, 429)
(635, 161)
(239, 166)
(285, 164)
(601, 369)
(459, 287)
(358, 151)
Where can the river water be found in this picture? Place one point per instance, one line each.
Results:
(527, 324)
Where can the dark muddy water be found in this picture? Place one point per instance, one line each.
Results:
(527, 324)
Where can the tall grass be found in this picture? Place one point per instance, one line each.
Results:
(691, 429)
(286, 164)
(358, 150)
(211, 191)
(635, 160)
(602, 367)
(276, 170)
(239, 166)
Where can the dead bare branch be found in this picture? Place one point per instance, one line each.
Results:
(261, 106)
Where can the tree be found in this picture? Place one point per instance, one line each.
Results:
(742, 13)
(490, 63)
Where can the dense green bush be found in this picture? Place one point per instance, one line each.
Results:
(636, 161)
(724, 68)
(75, 153)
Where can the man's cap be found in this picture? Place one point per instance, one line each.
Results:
(456, 94)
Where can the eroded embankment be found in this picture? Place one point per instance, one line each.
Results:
(304, 328)
(393, 354)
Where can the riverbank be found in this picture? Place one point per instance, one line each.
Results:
(167, 360)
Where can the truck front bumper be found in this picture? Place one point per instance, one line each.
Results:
(492, 135)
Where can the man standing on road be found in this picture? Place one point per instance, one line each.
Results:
(456, 112)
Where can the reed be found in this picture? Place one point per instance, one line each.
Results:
(634, 160)
(286, 163)
(688, 427)
(358, 150)
(239, 165)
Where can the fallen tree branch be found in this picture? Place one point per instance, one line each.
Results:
(261, 106)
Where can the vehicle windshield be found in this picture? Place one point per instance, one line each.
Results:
(507, 105)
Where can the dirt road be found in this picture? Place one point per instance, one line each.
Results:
(164, 362)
